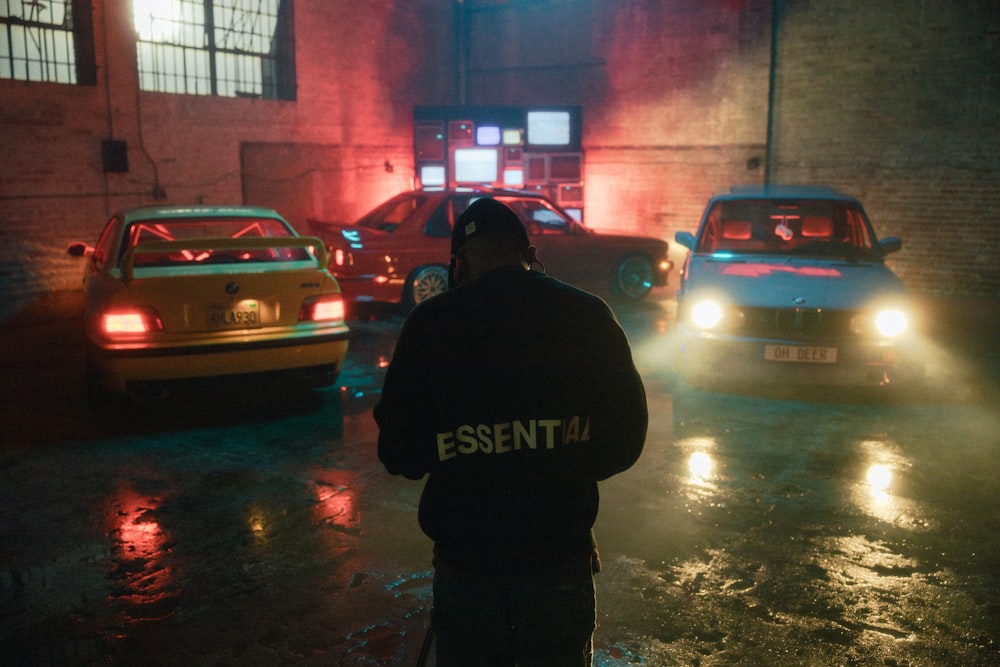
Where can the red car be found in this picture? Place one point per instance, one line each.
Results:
(399, 252)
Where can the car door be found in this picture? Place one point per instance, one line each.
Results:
(564, 247)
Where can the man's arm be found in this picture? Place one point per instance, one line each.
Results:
(622, 414)
(402, 414)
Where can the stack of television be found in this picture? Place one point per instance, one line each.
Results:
(520, 148)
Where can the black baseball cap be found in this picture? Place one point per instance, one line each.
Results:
(488, 216)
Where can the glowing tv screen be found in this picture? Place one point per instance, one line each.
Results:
(548, 128)
(476, 165)
(487, 135)
(432, 174)
(513, 177)
(511, 137)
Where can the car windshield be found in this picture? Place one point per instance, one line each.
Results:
(795, 227)
(196, 229)
(538, 217)
(390, 215)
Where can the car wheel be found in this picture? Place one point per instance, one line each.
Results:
(425, 282)
(633, 277)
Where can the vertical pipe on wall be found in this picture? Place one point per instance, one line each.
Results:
(461, 52)
(771, 93)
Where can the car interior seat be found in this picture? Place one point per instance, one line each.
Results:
(816, 227)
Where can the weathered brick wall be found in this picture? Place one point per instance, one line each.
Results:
(361, 67)
(895, 102)
(674, 96)
(898, 103)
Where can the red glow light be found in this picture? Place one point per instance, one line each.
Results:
(325, 308)
(139, 543)
(130, 321)
(758, 269)
(336, 501)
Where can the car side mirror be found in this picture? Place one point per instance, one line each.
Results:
(79, 250)
(890, 244)
(686, 239)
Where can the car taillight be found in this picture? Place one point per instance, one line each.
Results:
(323, 308)
(130, 321)
(338, 256)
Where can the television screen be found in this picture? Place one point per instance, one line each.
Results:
(513, 177)
(476, 165)
(548, 128)
(511, 137)
(488, 135)
(432, 174)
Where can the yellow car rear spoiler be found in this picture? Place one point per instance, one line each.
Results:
(316, 248)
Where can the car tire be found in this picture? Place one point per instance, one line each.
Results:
(633, 277)
(425, 282)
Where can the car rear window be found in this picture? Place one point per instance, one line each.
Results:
(196, 229)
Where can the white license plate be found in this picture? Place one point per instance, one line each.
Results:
(242, 315)
(801, 354)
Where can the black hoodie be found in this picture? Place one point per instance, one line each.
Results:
(516, 393)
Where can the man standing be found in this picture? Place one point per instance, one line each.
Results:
(516, 394)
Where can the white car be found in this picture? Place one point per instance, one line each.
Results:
(789, 285)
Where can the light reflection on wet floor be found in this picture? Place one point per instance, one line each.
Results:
(754, 530)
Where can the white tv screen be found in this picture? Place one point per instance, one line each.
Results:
(548, 128)
(476, 165)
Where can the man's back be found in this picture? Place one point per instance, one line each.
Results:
(517, 394)
(527, 391)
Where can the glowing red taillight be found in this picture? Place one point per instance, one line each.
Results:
(338, 257)
(126, 321)
(323, 308)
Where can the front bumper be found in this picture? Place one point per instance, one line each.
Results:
(720, 359)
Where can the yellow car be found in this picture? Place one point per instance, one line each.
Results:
(180, 293)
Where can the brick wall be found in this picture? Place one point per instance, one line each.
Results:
(361, 67)
(898, 103)
(895, 102)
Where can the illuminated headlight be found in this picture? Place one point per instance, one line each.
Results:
(706, 314)
(891, 323)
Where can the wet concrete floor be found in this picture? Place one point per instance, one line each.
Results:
(767, 527)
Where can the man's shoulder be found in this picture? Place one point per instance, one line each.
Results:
(530, 288)
(572, 294)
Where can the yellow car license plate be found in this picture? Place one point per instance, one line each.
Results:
(242, 315)
(801, 353)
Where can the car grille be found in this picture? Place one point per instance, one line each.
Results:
(797, 323)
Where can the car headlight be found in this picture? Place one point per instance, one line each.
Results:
(886, 322)
(706, 314)
(891, 322)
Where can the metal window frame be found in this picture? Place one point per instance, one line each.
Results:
(58, 52)
(227, 54)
